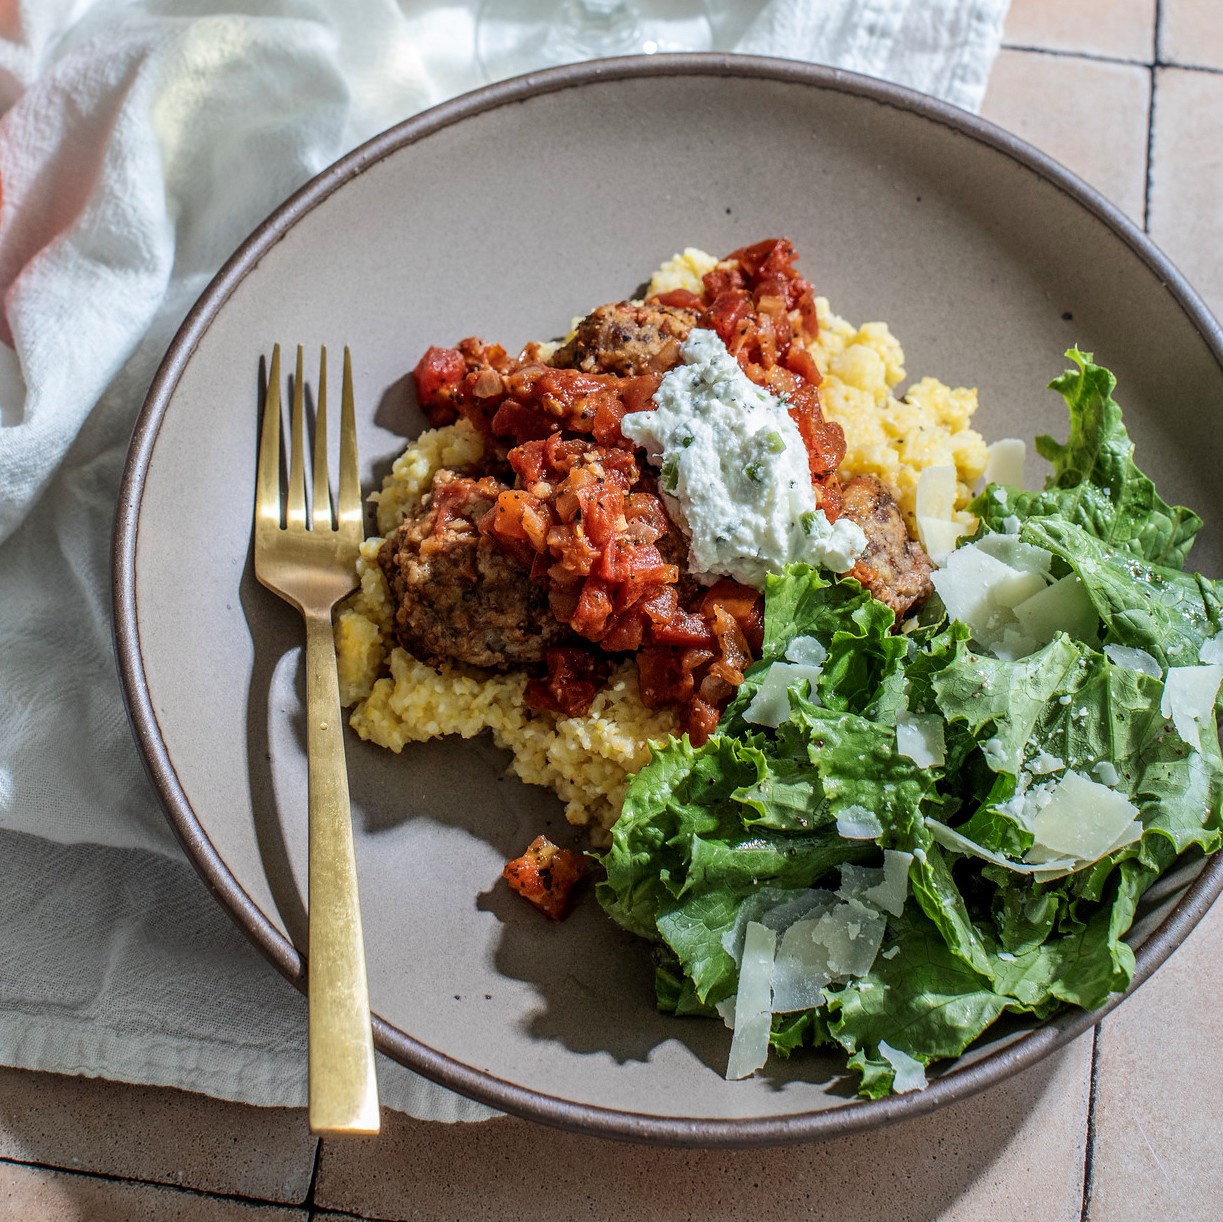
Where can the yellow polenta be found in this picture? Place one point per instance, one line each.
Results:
(587, 760)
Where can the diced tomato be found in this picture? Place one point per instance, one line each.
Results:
(678, 299)
(684, 629)
(594, 608)
(744, 604)
(522, 422)
(700, 719)
(728, 316)
(439, 378)
(572, 682)
(546, 876)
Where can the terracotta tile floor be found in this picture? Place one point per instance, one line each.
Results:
(1128, 94)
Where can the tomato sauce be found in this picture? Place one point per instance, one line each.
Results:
(584, 515)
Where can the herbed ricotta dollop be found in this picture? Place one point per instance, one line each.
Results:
(733, 471)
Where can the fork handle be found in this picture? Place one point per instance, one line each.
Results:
(343, 1088)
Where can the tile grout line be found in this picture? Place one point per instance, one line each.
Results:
(318, 1158)
(1089, 1149)
(1149, 184)
(186, 1189)
(1094, 57)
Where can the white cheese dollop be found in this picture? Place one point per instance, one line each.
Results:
(733, 471)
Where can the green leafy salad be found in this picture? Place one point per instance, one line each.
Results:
(893, 838)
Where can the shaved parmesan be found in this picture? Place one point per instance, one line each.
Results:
(1004, 462)
(935, 497)
(1212, 649)
(982, 590)
(852, 934)
(949, 838)
(771, 704)
(801, 970)
(1002, 588)
(749, 1046)
(908, 1072)
(1016, 554)
(885, 889)
(807, 651)
(1083, 820)
(1062, 607)
(920, 737)
(857, 823)
(1189, 698)
(1137, 659)
(775, 907)
(939, 537)
(967, 583)
(937, 528)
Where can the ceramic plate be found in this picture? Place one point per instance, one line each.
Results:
(504, 214)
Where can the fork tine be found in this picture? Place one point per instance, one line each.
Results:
(295, 510)
(349, 499)
(267, 488)
(322, 491)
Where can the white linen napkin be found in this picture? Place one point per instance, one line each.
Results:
(127, 180)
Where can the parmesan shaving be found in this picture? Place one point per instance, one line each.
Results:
(858, 823)
(770, 706)
(801, 969)
(909, 1073)
(1212, 649)
(1083, 820)
(1004, 462)
(749, 1046)
(1189, 698)
(806, 651)
(937, 528)
(949, 838)
(1062, 607)
(1137, 659)
(920, 737)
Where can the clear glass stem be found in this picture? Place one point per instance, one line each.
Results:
(599, 27)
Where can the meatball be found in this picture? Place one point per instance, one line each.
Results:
(894, 568)
(457, 596)
(627, 340)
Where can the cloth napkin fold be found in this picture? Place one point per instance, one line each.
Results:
(140, 142)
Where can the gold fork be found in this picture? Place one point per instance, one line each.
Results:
(311, 563)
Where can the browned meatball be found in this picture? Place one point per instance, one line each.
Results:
(627, 340)
(894, 567)
(459, 597)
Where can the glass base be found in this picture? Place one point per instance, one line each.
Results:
(516, 36)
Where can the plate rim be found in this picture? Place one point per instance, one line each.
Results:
(593, 1119)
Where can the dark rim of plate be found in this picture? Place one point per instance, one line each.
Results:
(956, 1083)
